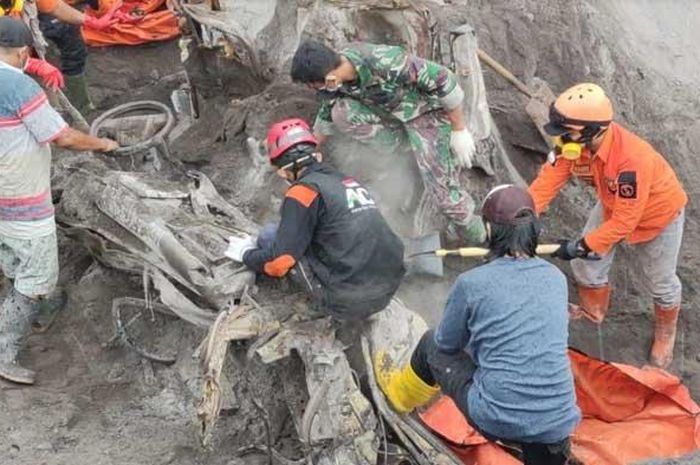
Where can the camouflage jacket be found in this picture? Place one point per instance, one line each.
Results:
(395, 81)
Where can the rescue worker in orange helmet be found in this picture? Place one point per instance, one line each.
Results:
(640, 201)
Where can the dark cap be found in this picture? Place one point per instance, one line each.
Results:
(505, 202)
(14, 33)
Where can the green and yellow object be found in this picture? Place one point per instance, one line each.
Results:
(404, 389)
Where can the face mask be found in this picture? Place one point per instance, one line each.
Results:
(331, 87)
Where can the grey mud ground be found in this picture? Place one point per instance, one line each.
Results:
(103, 405)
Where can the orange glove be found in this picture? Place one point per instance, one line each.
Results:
(49, 74)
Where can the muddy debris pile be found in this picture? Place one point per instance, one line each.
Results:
(169, 346)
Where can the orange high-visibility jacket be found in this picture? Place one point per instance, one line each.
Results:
(638, 189)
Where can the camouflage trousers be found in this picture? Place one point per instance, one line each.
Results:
(428, 138)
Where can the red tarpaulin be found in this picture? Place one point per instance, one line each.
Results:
(629, 414)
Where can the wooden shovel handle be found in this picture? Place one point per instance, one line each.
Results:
(543, 249)
(503, 71)
(547, 249)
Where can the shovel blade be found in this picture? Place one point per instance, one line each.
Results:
(419, 260)
(538, 106)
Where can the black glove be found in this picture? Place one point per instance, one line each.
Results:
(568, 250)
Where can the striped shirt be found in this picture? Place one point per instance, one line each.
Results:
(28, 124)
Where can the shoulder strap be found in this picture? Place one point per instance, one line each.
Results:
(387, 118)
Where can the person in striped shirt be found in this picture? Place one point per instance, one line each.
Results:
(28, 249)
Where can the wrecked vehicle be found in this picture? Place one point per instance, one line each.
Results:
(170, 225)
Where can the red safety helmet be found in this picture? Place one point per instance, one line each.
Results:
(286, 134)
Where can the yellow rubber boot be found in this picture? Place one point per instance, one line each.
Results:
(404, 389)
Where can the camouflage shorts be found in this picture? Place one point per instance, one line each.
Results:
(31, 263)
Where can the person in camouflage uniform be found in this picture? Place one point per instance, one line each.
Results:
(382, 94)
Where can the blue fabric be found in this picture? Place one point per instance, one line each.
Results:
(266, 236)
(27, 124)
(511, 316)
(17, 91)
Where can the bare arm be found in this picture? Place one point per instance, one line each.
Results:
(73, 139)
(68, 14)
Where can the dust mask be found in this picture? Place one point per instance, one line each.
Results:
(331, 87)
(569, 150)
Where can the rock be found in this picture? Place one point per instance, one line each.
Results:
(167, 405)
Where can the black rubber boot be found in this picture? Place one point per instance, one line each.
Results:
(549, 454)
(77, 93)
(48, 309)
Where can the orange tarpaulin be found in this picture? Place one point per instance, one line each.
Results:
(156, 24)
(628, 414)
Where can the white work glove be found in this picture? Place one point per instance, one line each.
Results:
(463, 148)
(238, 246)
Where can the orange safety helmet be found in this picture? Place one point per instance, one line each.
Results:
(581, 106)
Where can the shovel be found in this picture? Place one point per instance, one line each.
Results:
(540, 94)
(424, 254)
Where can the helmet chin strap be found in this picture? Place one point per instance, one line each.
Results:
(292, 167)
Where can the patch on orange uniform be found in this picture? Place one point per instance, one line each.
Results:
(627, 184)
(302, 194)
(280, 266)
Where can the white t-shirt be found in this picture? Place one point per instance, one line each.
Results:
(28, 124)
